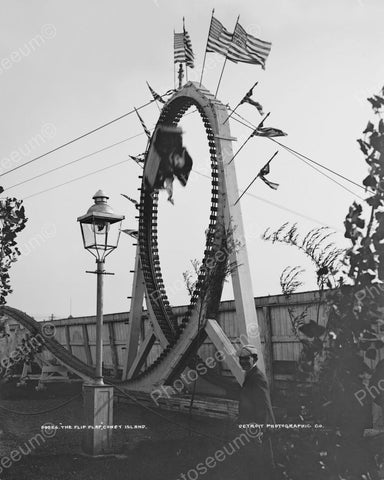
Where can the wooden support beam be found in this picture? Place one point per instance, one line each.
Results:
(154, 323)
(142, 354)
(268, 347)
(224, 345)
(112, 346)
(249, 331)
(135, 313)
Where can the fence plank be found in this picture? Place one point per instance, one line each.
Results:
(86, 345)
(112, 346)
(268, 347)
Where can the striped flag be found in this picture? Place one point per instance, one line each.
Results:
(139, 159)
(155, 95)
(219, 38)
(188, 50)
(268, 132)
(247, 99)
(183, 49)
(270, 184)
(178, 47)
(246, 48)
(147, 132)
(135, 202)
(133, 233)
(265, 171)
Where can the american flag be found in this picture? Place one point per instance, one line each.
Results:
(248, 49)
(188, 50)
(178, 45)
(219, 38)
(183, 49)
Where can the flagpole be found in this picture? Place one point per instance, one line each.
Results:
(238, 105)
(186, 63)
(263, 120)
(257, 176)
(221, 75)
(174, 64)
(242, 146)
(226, 58)
(273, 156)
(206, 46)
(157, 105)
(180, 75)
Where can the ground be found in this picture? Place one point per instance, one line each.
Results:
(172, 446)
(162, 451)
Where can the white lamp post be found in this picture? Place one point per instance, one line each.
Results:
(100, 229)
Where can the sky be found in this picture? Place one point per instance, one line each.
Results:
(68, 67)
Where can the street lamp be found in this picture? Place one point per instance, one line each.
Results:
(100, 229)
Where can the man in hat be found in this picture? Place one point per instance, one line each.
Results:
(255, 402)
(255, 407)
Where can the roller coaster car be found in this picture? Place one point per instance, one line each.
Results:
(167, 158)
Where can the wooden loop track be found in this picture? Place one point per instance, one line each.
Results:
(184, 338)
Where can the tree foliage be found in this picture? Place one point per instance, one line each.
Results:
(352, 337)
(317, 246)
(12, 215)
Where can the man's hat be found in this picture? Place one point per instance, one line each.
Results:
(246, 351)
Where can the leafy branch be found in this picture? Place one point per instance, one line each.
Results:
(13, 219)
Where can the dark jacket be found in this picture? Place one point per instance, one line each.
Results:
(255, 403)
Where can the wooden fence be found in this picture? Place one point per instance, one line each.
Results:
(281, 346)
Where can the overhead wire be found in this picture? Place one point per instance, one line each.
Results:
(324, 174)
(88, 155)
(78, 178)
(318, 164)
(274, 204)
(302, 156)
(73, 161)
(277, 205)
(195, 171)
(80, 137)
(248, 124)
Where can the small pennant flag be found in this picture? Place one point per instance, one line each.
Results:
(268, 132)
(265, 171)
(135, 202)
(132, 233)
(247, 99)
(155, 95)
(270, 184)
(147, 132)
(138, 159)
